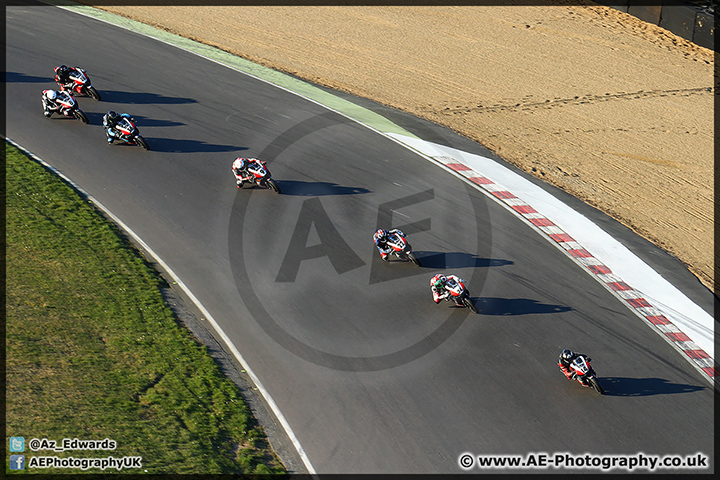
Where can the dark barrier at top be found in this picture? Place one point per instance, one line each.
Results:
(692, 20)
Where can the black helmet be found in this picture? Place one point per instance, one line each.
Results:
(112, 114)
(567, 354)
(62, 69)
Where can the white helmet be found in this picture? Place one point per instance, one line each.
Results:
(51, 94)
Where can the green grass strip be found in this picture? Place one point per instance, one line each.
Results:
(94, 352)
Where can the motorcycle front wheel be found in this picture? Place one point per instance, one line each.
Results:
(141, 141)
(80, 115)
(94, 93)
(596, 385)
(273, 185)
(469, 304)
(413, 259)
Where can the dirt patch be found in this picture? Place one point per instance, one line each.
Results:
(613, 110)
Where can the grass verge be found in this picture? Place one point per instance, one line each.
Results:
(94, 352)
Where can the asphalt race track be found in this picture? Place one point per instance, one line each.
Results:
(371, 375)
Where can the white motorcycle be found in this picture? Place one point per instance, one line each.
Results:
(459, 293)
(69, 107)
(258, 173)
(584, 374)
(401, 248)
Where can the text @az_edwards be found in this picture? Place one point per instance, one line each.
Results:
(18, 460)
(67, 444)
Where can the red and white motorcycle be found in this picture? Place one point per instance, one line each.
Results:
(401, 248)
(257, 173)
(126, 131)
(81, 84)
(69, 107)
(460, 294)
(584, 374)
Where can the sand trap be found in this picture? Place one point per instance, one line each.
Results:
(611, 109)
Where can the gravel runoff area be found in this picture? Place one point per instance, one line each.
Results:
(613, 110)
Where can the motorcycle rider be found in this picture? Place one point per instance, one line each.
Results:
(239, 168)
(565, 359)
(110, 120)
(380, 237)
(62, 77)
(50, 104)
(439, 284)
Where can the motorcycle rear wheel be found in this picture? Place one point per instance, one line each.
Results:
(94, 93)
(413, 259)
(596, 385)
(141, 141)
(273, 185)
(80, 115)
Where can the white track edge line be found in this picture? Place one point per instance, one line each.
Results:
(575, 260)
(266, 395)
(409, 147)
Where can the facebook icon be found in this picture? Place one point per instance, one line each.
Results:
(17, 462)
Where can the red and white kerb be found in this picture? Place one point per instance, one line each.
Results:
(632, 298)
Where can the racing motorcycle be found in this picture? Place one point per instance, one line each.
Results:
(126, 131)
(584, 374)
(69, 107)
(258, 173)
(82, 84)
(459, 293)
(401, 248)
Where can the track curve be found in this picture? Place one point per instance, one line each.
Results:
(294, 279)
